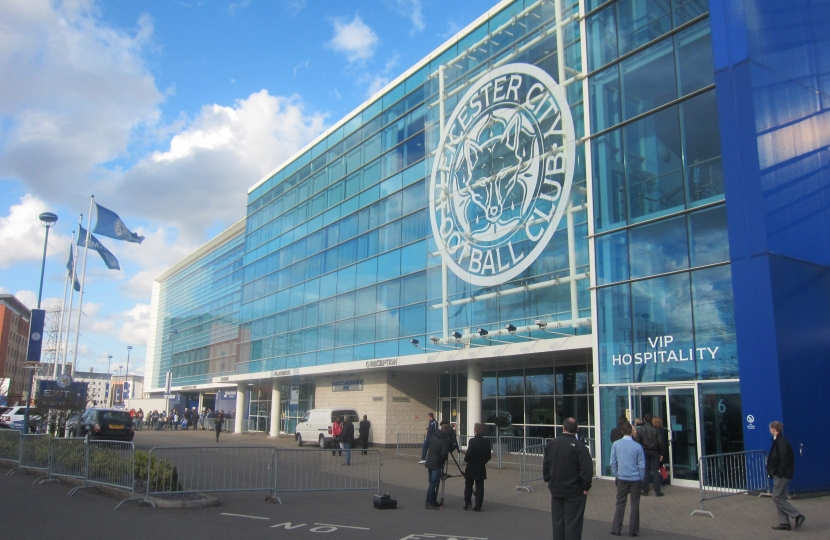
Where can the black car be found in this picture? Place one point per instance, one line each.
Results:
(109, 424)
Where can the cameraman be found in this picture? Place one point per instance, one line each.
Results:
(439, 449)
(452, 434)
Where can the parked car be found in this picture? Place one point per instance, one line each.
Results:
(13, 419)
(72, 423)
(315, 425)
(109, 424)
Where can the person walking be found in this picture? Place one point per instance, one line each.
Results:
(477, 456)
(432, 426)
(652, 440)
(439, 449)
(218, 424)
(363, 431)
(348, 438)
(336, 431)
(140, 416)
(628, 466)
(616, 433)
(568, 470)
(781, 468)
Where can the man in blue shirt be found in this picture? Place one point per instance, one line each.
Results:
(628, 466)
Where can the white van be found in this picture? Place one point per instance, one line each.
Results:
(315, 425)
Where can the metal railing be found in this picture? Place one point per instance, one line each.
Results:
(111, 463)
(405, 443)
(35, 453)
(321, 470)
(531, 469)
(736, 473)
(10, 446)
(199, 469)
(69, 459)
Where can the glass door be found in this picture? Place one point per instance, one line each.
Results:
(682, 436)
(446, 410)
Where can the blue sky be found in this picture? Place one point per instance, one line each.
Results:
(168, 111)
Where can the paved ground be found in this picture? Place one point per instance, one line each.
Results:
(507, 513)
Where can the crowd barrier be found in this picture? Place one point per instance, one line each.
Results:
(326, 470)
(35, 453)
(737, 473)
(69, 459)
(409, 444)
(10, 445)
(199, 469)
(530, 469)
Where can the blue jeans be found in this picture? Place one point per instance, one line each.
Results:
(346, 447)
(434, 478)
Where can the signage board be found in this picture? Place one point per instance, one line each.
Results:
(353, 385)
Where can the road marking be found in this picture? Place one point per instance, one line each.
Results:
(344, 526)
(242, 516)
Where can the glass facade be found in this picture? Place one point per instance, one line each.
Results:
(197, 326)
(341, 257)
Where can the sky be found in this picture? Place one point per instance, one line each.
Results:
(168, 111)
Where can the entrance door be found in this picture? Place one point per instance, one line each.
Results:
(446, 410)
(682, 431)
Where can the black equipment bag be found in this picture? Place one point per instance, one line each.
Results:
(384, 502)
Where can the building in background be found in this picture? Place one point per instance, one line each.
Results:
(571, 208)
(14, 340)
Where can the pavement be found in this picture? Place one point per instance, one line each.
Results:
(507, 512)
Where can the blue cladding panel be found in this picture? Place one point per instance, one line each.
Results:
(772, 63)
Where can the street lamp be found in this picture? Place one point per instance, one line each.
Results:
(47, 219)
(109, 383)
(127, 374)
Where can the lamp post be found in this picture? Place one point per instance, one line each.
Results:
(127, 374)
(47, 219)
(110, 388)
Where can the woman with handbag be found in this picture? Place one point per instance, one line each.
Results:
(658, 423)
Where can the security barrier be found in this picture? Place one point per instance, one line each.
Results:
(198, 469)
(10, 446)
(737, 473)
(111, 463)
(326, 470)
(531, 469)
(409, 444)
(34, 453)
(69, 459)
(507, 449)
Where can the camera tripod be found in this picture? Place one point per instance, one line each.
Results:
(445, 474)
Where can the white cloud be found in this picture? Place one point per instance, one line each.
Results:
(21, 234)
(355, 39)
(27, 298)
(134, 324)
(71, 94)
(376, 85)
(413, 10)
(234, 6)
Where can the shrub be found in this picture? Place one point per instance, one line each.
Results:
(164, 476)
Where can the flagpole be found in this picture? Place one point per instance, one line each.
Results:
(83, 277)
(60, 319)
(71, 298)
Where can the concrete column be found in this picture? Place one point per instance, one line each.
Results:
(473, 396)
(276, 400)
(241, 388)
(201, 402)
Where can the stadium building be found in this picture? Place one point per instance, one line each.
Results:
(571, 208)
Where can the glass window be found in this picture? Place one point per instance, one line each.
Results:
(346, 279)
(702, 150)
(613, 405)
(511, 382)
(513, 408)
(694, 58)
(653, 165)
(572, 379)
(344, 333)
(721, 418)
(364, 329)
(614, 329)
(539, 381)
(413, 320)
(714, 312)
(602, 38)
(328, 310)
(605, 99)
(612, 257)
(663, 331)
(609, 175)
(345, 306)
(642, 21)
(709, 241)
(648, 79)
(365, 301)
(389, 265)
(488, 386)
(413, 288)
(388, 294)
(578, 407)
(387, 325)
(658, 247)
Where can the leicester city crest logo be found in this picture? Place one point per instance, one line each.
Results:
(502, 174)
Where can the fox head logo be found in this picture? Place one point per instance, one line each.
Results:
(496, 174)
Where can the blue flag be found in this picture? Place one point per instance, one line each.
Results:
(110, 225)
(70, 265)
(109, 258)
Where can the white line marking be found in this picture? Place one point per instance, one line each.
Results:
(242, 515)
(347, 526)
(461, 536)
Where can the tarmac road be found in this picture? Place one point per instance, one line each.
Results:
(45, 512)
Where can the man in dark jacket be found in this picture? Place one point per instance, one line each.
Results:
(347, 437)
(432, 426)
(568, 470)
(780, 467)
(477, 456)
(439, 449)
(652, 440)
(616, 433)
(363, 430)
